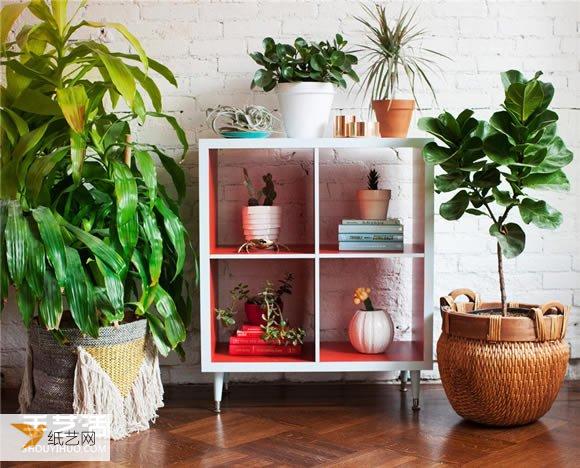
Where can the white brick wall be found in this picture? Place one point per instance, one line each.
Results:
(206, 45)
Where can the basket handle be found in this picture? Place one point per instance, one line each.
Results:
(556, 330)
(464, 292)
(548, 307)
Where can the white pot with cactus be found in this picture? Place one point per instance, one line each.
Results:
(371, 330)
(373, 202)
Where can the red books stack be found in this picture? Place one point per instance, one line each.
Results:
(248, 342)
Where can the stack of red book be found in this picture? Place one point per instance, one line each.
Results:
(248, 342)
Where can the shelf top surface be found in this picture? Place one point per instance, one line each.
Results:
(311, 143)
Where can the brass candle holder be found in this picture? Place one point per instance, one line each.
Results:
(349, 127)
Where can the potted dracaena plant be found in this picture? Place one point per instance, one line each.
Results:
(502, 363)
(91, 242)
(394, 49)
(373, 202)
(305, 76)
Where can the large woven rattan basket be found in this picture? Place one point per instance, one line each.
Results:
(501, 371)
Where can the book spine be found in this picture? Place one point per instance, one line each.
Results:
(252, 340)
(383, 246)
(265, 350)
(247, 327)
(249, 333)
(370, 237)
(372, 222)
(369, 229)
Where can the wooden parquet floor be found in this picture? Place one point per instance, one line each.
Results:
(341, 426)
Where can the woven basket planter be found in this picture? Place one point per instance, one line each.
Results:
(116, 374)
(501, 371)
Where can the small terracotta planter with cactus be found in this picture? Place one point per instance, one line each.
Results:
(373, 202)
(371, 330)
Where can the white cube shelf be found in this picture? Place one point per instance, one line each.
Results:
(413, 355)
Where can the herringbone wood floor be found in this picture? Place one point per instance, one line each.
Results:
(342, 425)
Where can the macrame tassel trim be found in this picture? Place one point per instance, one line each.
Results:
(95, 393)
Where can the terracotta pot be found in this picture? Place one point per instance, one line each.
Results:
(394, 116)
(371, 331)
(373, 204)
(501, 371)
(261, 222)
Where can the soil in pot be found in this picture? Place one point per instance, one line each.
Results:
(394, 116)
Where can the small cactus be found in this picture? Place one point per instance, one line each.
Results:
(256, 195)
(373, 180)
(268, 190)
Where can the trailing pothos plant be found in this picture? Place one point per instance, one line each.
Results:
(84, 219)
(495, 168)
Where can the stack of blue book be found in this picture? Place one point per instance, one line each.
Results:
(370, 234)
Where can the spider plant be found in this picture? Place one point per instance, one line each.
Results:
(85, 224)
(395, 48)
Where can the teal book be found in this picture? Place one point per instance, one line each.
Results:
(370, 229)
(382, 246)
(372, 222)
(376, 237)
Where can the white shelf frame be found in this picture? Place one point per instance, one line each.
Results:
(206, 147)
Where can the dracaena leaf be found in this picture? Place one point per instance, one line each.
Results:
(16, 233)
(73, 102)
(26, 303)
(53, 241)
(8, 16)
(50, 309)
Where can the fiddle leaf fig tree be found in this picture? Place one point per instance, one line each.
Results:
(496, 168)
(85, 225)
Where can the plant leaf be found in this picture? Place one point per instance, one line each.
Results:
(174, 328)
(454, 208)
(126, 196)
(120, 76)
(73, 102)
(53, 241)
(8, 15)
(149, 225)
(540, 213)
(512, 240)
(175, 232)
(16, 233)
(550, 181)
(435, 154)
(80, 295)
(26, 303)
(50, 309)
(146, 166)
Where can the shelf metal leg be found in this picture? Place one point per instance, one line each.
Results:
(226, 383)
(403, 377)
(218, 385)
(415, 388)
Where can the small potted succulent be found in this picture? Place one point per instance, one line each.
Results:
(371, 330)
(241, 122)
(394, 49)
(260, 219)
(305, 76)
(502, 363)
(373, 202)
(264, 309)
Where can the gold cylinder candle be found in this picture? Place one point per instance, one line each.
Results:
(350, 129)
(361, 128)
(340, 126)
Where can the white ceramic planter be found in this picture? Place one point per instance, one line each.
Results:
(371, 332)
(261, 222)
(305, 108)
(373, 204)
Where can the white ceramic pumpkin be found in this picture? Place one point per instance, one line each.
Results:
(371, 331)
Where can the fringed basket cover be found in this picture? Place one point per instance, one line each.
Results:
(116, 374)
(501, 371)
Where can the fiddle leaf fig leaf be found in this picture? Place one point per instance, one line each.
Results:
(511, 239)
(498, 148)
(540, 214)
(556, 181)
(511, 76)
(523, 99)
(449, 182)
(435, 154)
(502, 197)
(557, 156)
(454, 208)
